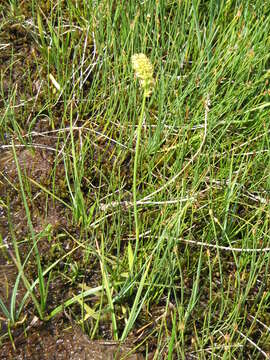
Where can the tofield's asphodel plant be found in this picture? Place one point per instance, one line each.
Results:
(144, 72)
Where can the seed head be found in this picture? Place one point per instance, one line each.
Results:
(143, 71)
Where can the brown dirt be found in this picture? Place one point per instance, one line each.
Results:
(53, 341)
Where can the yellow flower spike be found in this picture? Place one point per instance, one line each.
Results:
(144, 72)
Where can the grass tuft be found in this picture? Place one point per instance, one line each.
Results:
(145, 211)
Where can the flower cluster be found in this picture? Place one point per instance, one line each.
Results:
(144, 72)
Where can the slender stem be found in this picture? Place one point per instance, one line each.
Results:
(138, 140)
(40, 307)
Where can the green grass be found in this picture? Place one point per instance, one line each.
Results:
(187, 267)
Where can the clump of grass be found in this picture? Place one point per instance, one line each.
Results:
(194, 278)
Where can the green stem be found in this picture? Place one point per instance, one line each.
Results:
(138, 140)
(40, 307)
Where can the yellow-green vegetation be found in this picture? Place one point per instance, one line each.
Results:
(134, 173)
